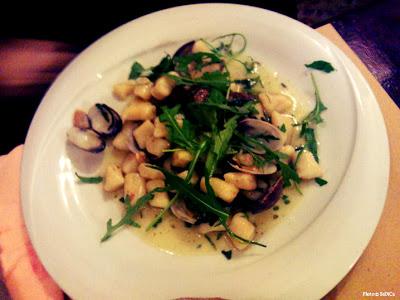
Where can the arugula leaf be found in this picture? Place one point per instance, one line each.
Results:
(206, 112)
(234, 235)
(83, 179)
(225, 47)
(204, 116)
(315, 115)
(246, 109)
(216, 97)
(289, 174)
(217, 79)
(251, 144)
(136, 70)
(188, 191)
(166, 64)
(200, 59)
(311, 142)
(185, 136)
(320, 181)
(130, 211)
(189, 175)
(220, 143)
(321, 65)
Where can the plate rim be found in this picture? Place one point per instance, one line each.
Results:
(29, 144)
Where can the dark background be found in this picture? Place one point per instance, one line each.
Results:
(372, 29)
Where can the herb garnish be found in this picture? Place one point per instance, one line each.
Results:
(203, 200)
(220, 145)
(226, 42)
(227, 254)
(199, 60)
(164, 66)
(189, 175)
(83, 179)
(210, 241)
(285, 199)
(209, 130)
(310, 141)
(136, 70)
(315, 115)
(321, 65)
(288, 173)
(183, 137)
(320, 181)
(130, 211)
(217, 79)
(313, 118)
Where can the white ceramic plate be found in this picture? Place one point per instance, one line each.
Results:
(308, 253)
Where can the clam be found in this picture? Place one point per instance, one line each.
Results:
(240, 98)
(86, 139)
(132, 146)
(265, 196)
(264, 132)
(180, 211)
(264, 170)
(185, 49)
(104, 120)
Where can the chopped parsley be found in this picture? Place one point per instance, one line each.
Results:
(136, 70)
(282, 128)
(227, 254)
(285, 199)
(320, 181)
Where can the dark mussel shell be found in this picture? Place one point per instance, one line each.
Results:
(240, 99)
(185, 49)
(264, 197)
(105, 121)
(86, 139)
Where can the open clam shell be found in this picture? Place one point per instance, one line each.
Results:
(86, 139)
(264, 132)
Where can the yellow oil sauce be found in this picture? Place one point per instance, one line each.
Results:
(174, 237)
(266, 220)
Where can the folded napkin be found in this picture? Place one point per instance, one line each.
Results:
(24, 275)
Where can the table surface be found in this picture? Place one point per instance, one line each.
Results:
(378, 269)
